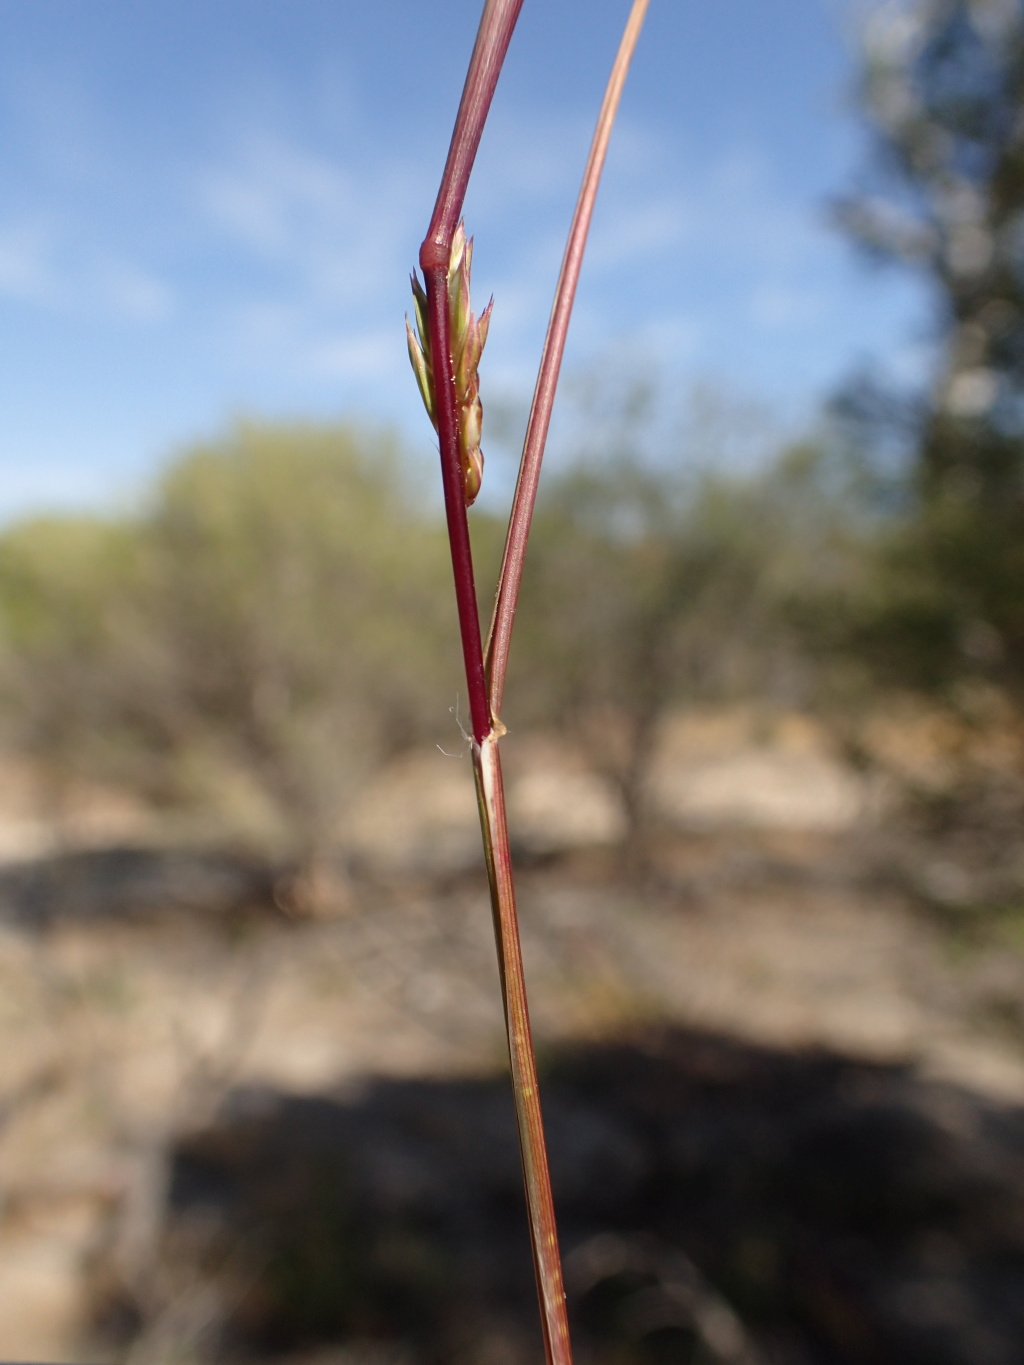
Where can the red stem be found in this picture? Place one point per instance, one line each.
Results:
(547, 1261)
(492, 40)
(455, 505)
(511, 575)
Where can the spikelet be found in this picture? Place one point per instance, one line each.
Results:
(467, 337)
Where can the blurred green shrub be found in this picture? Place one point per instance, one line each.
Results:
(651, 587)
(267, 630)
(66, 615)
(277, 621)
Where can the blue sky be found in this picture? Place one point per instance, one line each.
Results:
(210, 207)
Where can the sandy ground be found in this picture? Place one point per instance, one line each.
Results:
(118, 1034)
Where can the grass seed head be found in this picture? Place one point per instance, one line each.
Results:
(467, 336)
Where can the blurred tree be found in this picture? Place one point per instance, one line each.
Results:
(651, 587)
(272, 627)
(943, 90)
(298, 595)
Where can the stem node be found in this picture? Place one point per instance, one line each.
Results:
(434, 254)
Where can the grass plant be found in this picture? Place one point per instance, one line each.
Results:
(445, 352)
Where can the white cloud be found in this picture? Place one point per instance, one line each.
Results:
(43, 266)
(278, 193)
(322, 248)
(372, 355)
(26, 272)
(335, 233)
(631, 232)
(134, 292)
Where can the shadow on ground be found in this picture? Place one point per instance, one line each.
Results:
(717, 1202)
(136, 883)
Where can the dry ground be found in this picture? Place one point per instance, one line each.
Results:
(768, 921)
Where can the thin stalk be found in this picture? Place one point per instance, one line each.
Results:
(496, 25)
(455, 506)
(486, 759)
(495, 32)
(492, 40)
(547, 1262)
(511, 575)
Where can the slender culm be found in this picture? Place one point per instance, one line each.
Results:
(445, 349)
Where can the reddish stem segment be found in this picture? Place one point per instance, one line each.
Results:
(547, 1261)
(492, 40)
(511, 575)
(455, 503)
